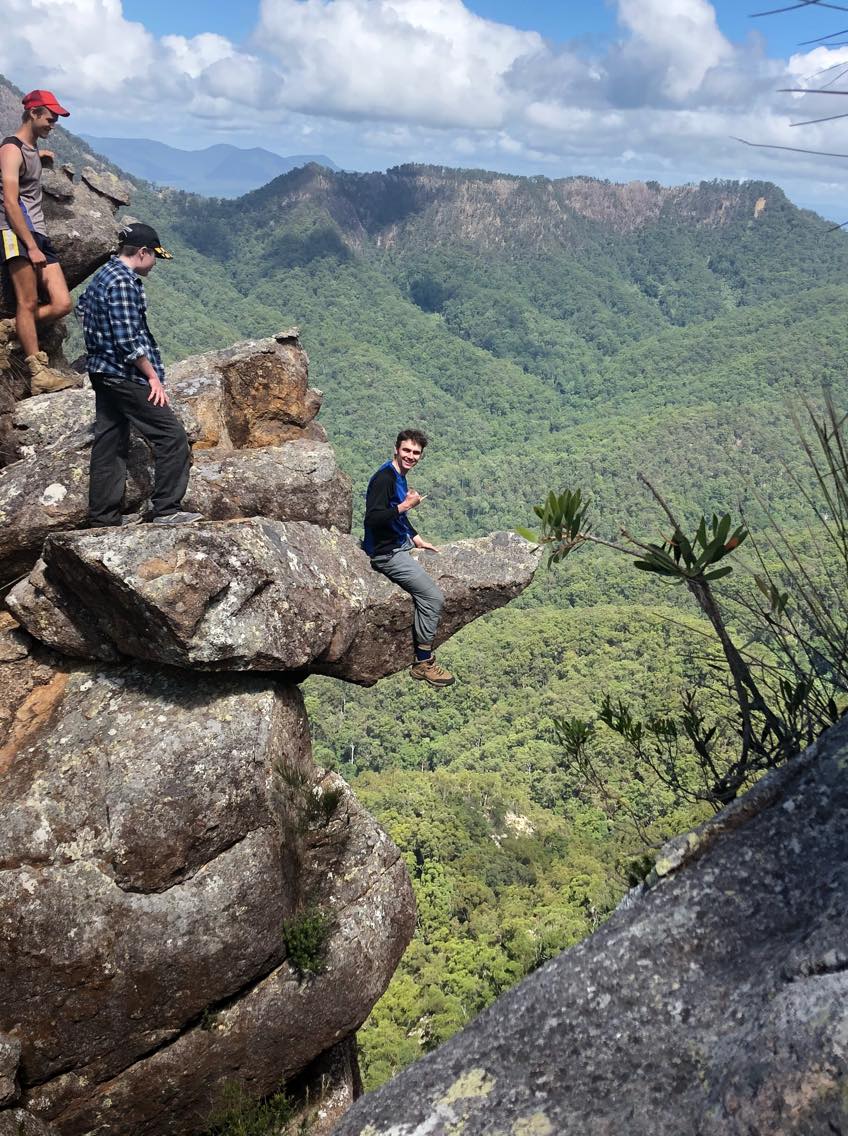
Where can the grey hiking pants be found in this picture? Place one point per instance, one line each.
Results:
(428, 598)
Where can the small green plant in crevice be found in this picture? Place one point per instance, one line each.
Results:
(238, 1114)
(306, 938)
(208, 1019)
(321, 804)
(312, 803)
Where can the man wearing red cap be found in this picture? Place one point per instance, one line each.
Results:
(25, 249)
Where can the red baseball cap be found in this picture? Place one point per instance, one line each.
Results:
(44, 99)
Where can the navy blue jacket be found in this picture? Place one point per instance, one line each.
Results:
(385, 528)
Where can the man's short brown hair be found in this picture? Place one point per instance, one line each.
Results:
(417, 436)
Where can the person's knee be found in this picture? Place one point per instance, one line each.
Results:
(27, 306)
(62, 307)
(435, 598)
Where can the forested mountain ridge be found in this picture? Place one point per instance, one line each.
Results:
(409, 204)
(550, 342)
(543, 345)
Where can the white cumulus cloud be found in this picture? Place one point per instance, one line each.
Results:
(432, 62)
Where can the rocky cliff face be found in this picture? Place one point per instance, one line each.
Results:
(428, 206)
(167, 845)
(713, 1003)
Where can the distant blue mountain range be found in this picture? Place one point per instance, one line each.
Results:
(217, 171)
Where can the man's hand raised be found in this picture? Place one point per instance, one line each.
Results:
(412, 499)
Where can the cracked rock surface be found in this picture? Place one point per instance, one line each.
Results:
(713, 1003)
(156, 831)
(252, 595)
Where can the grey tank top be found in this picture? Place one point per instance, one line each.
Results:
(29, 187)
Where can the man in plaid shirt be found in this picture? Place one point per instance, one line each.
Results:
(127, 374)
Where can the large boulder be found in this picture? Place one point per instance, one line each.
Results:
(81, 218)
(297, 481)
(713, 1003)
(252, 394)
(162, 838)
(253, 595)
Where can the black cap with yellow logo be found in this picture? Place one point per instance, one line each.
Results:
(143, 236)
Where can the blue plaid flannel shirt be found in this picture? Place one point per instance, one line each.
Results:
(113, 311)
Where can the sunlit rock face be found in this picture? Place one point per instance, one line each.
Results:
(273, 461)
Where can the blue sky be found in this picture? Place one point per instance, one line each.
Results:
(560, 21)
(623, 89)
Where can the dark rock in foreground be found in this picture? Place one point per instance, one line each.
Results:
(713, 1004)
(251, 595)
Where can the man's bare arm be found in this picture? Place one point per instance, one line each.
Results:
(10, 169)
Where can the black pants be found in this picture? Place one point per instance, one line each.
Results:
(120, 403)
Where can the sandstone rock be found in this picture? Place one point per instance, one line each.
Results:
(477, 576)
(52, 617)
(252, 394)
(49, 421)
(14, 643)
(299, 481)
(714, 1003)
(156, 830)
(48, 492)
(106, 184)
(256, 595)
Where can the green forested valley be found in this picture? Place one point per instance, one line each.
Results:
(547, 335)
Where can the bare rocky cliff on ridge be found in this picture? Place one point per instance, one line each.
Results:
(424, 206)
(166, 840)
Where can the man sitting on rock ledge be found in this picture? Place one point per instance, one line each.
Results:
(388, 538)
(127, 374)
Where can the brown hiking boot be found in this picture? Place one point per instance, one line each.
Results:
(430, 671)
(46, 380)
